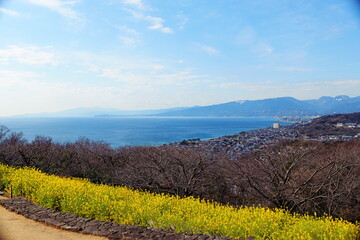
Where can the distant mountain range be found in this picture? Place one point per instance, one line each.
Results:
(272, 107)
(100, 112)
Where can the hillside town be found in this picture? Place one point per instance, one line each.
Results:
(244, 143)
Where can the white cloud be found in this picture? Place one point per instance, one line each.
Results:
(139, 4)
(158, 67)
(293, 69)
(9, 12)
(138, 10)
(208, 49)
(263, 49)
(156, 23)
(30, 55)
(61, 7)
(245, 36)
(134, 73)
(148, 78)
(248, 37)
(117, 88)
(145, 75)
(298, 89)
(12, 78)
(166, 30)
(129, 36)
(129, 41)
(183, 20)
(128, 30)
(309, 89)
(245, 85)
(31, 96)
(346, 82)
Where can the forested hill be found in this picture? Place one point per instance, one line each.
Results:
(337, 124)
(338, 118)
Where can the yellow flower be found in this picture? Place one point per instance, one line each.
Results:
(190, 215)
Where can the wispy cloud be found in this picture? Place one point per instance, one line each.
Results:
(243, 84)
(9, 12)
(208, 49)
(263, 49)
(183, 20)
(309, 89)
(248, 37)
(293, 69)
(139, 10)
(300, 90)
(245, 36)
(52, 95)
(129, 41)
(346, 82)
(129, 37)
(30, 55)
(139, 4)
(64, 8)
(156, 23)
(10, 78)
(148, 78)
(141, 74)
(158, 67)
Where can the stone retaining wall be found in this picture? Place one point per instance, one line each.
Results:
(110, 230)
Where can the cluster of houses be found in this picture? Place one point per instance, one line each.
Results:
(244, 142)
(348, 125)
(247, 142)
(329, 138)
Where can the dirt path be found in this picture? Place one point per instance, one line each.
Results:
(14, 226)
(17, 227)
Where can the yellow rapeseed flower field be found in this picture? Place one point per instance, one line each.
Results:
(191, 215)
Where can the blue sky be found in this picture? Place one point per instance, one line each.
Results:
(151, 54)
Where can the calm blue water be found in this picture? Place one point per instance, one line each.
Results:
(133, 131)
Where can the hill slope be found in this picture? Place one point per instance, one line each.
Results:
(273, 107)
(326, 125)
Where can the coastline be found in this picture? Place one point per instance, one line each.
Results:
(135, 131)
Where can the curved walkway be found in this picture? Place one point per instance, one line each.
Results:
(17, 227)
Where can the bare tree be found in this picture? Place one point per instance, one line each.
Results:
(3, 132)
(181, 171)
(302, 178)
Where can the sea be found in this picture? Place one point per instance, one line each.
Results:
(133, 131)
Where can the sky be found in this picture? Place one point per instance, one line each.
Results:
(153, 54)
